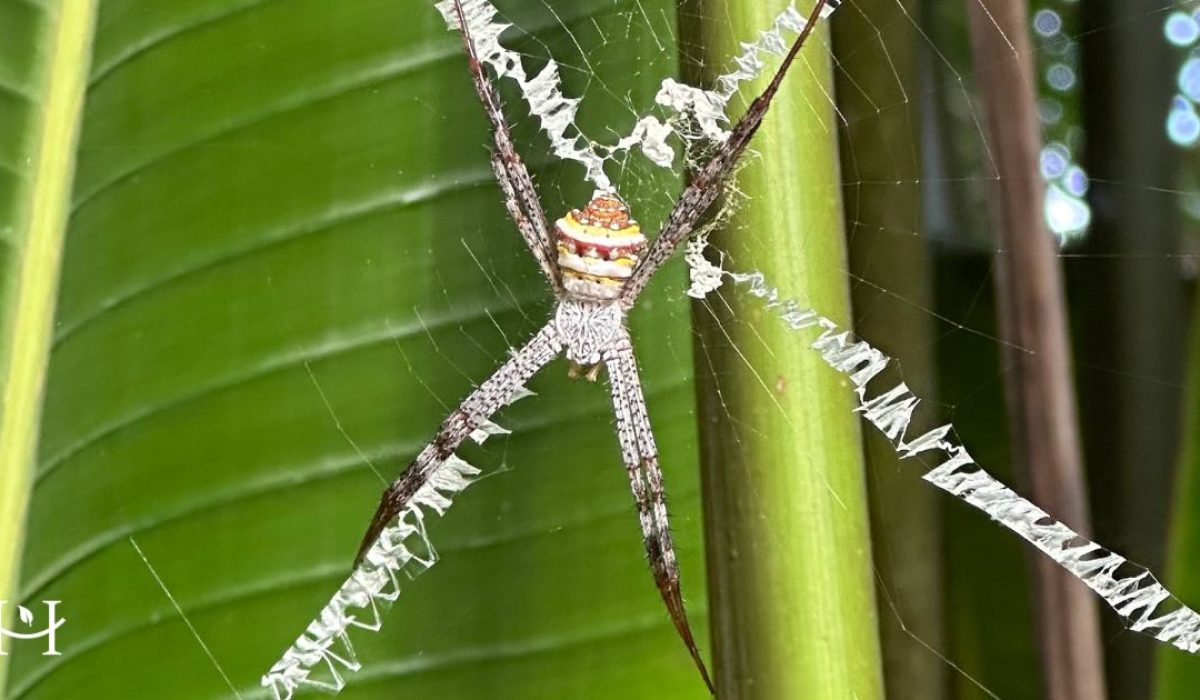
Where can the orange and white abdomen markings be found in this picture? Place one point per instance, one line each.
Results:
(598, 248)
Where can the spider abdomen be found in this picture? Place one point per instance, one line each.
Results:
(598, 248)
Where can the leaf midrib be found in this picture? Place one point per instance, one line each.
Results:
(29, 316)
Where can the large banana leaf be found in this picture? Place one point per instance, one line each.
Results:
(43, 69)
(286, 259)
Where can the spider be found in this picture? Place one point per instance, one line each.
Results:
(596, 261)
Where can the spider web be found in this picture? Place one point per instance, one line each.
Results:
(703, 120)
(449, 345)
(1067, 213)
(698, 117)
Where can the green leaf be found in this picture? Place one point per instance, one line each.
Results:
(286, 261)
(43, 67)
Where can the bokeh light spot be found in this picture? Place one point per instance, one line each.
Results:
(1047, 23)
(1183, 126)
(1181, 29)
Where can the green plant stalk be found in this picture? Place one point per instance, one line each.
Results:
(789, 556)
(39, 238)
(888, 247)
(1176, 672)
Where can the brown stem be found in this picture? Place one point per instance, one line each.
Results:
(1039, 385)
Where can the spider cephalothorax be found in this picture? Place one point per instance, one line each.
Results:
(586, 329)
(598, 248)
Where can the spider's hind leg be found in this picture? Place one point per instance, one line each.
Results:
(477, 409)
(640, 455)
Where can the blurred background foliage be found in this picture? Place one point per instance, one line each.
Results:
(285, 258)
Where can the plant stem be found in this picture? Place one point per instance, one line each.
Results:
(1176, 672)
(888, 247)
(1039, 386)
(32, 277)
(1127, 283)
(789, 554)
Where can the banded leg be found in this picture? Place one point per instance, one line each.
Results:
(471, 414)
(640, 455)
(520, 197)
(707, 183)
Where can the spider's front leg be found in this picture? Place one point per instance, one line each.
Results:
(520, 197)
(708, 182)
(640, 455)
(470, 415)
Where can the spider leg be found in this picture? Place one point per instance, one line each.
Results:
(640, 455)
(496, 392)
(707, 183)
(520, 197)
